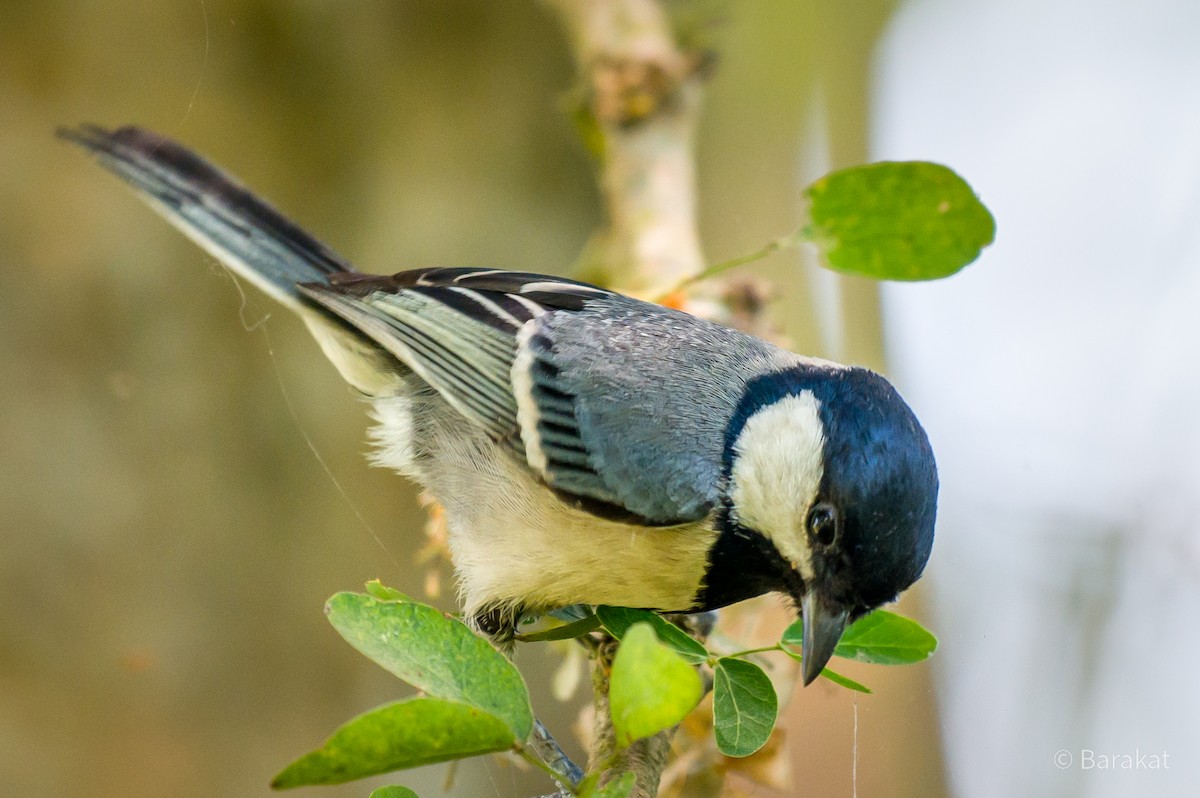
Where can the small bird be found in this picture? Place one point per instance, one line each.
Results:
(588, 447)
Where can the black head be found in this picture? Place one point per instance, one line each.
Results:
(831, 498)
(877, 499)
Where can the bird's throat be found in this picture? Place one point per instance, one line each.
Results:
(744, 564)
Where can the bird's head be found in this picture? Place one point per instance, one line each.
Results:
(830, 479)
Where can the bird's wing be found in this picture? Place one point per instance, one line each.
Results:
(456, 328)
(618, 409)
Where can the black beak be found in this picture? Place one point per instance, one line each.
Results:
(824, 623)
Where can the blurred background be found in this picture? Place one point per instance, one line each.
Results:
(183, 484)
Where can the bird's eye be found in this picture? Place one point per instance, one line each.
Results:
(823, 523)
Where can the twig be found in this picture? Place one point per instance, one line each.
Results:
(790, 240)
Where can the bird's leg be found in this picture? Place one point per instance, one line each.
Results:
(499, 624)
(550, 752)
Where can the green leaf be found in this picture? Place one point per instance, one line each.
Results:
(883, 638)
(379, 590)
(620, 787)
(833, 676)
(651, 688)
(903, 220)
(793, 635)
(393, 791)
(844, 681)
(744, 707)
(617, 621)
(886, 638)
(405, 734)
(565, 632)
(436, 654)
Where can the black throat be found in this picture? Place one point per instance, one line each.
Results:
(744, 564)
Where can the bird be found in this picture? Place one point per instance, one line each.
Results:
(588, 447)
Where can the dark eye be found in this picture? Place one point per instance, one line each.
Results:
(823, 523)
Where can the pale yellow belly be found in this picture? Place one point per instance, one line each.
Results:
(515, 544)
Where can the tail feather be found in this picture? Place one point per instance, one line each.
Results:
(244, 233)
(214, 210)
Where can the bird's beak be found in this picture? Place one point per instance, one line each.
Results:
(824, 623)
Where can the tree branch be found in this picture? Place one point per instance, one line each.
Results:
(646, 759)
(639, 100)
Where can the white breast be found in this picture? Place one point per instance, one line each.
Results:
(515, 543)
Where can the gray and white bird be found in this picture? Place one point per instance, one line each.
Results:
(590, 448)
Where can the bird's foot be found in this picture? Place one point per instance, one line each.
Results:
(550, 752)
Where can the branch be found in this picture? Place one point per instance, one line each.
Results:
(639, 100)
(646, 759)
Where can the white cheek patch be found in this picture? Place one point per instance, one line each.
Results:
(777, 471)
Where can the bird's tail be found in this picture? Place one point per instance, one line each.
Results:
(214, 210)
(244, 233)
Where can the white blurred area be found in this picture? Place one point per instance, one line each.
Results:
(1059, 378)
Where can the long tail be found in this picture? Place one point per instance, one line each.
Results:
(244, 233)
(214, 210)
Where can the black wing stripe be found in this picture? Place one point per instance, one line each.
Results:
(383, 328)
(557, 415)
(531, 307)
(491, 306)
(521, 311)
(504, 316)
(470, 304)
(558, 300)
(537, 292)
(418, 307)
(553, 398)
(564, 457)
(560, 436)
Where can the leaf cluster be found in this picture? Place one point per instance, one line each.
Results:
(474, 701)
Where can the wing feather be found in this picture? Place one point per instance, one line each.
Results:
(559, 371)
(457, 329)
